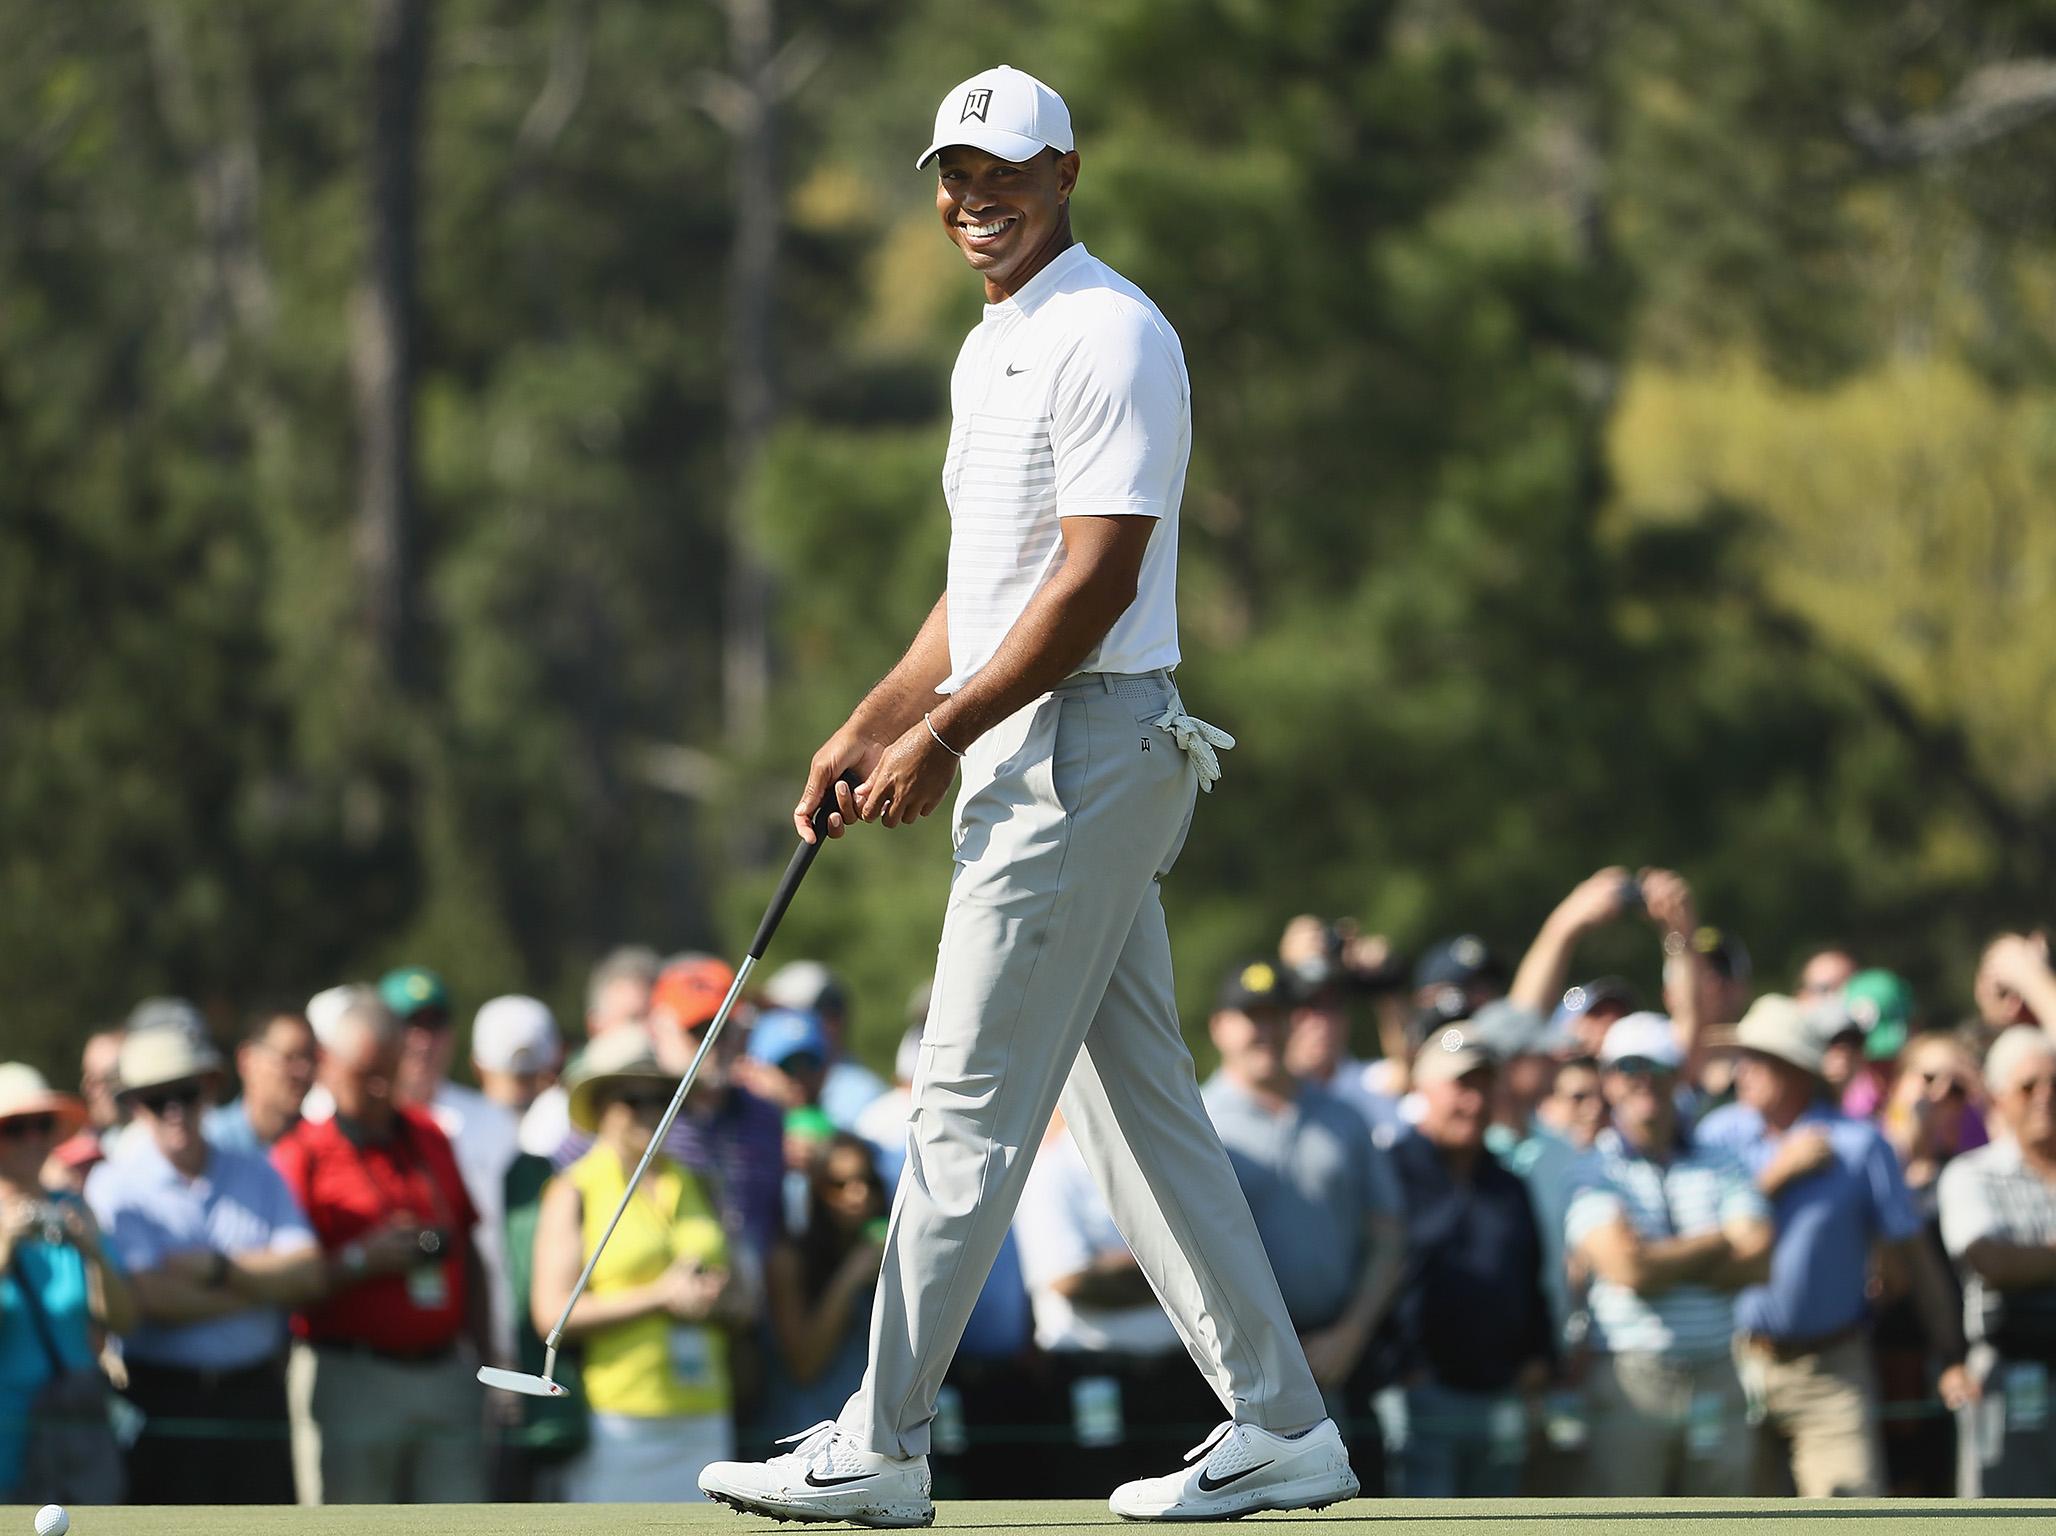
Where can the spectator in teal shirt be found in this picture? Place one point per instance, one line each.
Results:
(51, 1263)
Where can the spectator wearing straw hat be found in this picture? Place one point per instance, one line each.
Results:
(217, 1252)
(650, 1325)
(1836, 1190)
(725, 1133)
(392, 1392)
(58, 1284)
(1670, 1232)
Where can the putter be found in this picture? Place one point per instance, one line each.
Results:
(546, 1385)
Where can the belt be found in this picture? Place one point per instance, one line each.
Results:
(263, 1372)
(1799, 1349)
(435, 1356)
(1109, 682)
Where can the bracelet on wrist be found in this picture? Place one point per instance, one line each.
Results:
(932, 731)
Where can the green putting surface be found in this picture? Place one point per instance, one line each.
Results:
(1423, 1517)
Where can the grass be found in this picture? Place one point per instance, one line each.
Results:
(1386, 1517)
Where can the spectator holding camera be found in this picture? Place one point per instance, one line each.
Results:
(1612, 893)
(1670, 1232)
(2015, 982)
(58, 1286)
(1998, 1207)
(398, 1410)
(1836, 1192)
(650, 1325)
(217, 1252)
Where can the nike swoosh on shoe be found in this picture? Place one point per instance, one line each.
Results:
(837, 1482)
(1214, 1485)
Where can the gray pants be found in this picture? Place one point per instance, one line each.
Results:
(1054, 938)
(398, 1433)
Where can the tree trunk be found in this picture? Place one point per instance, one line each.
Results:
(383, 342)
(752, 377)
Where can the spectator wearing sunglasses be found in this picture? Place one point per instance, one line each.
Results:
(58, 1286)
(650, 1326)
(726, 1134)
(217, 1253)
(1930, 1118)
(1575, 1107)
(1998, 1207)
(1669, 1232)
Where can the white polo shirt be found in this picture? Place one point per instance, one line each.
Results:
(1069, 399)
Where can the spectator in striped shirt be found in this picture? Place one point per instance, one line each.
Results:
(1670, 1232)
(1998, 1208)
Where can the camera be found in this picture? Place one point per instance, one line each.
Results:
(1630, 895)
(47, 1224)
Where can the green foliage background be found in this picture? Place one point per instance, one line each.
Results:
(1609, 446)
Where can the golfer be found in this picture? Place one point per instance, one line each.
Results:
(1043, 675)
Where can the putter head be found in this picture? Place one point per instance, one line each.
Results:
(519, 1381)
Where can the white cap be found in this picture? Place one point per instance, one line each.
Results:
(1004, 112)
(1646, 1036)
(805, 984)
(325, 1010)
(515, 1034)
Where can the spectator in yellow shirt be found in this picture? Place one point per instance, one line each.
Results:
(650, 1326)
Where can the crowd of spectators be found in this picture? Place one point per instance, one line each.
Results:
(1539, 1234)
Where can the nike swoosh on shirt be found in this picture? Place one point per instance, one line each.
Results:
(836, 1482)
(1012, 370)
(1214, 1484)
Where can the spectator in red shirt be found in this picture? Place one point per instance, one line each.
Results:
(395, 1343)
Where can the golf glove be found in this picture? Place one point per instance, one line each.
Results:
(1197, 740)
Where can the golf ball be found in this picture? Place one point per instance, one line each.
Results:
(51, 1520)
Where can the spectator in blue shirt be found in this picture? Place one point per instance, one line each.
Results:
(1670, 1232)
(276, 1065)
(57, 1284)
(217, 1252)
(1836, 1191)
(1471, 1322)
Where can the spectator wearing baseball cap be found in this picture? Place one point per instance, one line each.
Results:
(1464, 964)
(787, 1061)
(1836, 1192)
(724, 1130)
(1670, 1232)
(811, 987)
(1472, 1323)
(1879, 1006)
(1326, 1200)
(1517, 1039)
(218, 1253)
(485, 1135)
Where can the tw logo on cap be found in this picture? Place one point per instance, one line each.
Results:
(976, 104)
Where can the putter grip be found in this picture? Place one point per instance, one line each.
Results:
(789, 882)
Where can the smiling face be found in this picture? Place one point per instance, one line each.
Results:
(1009, 219)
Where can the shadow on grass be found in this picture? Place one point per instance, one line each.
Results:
(1383, 1511)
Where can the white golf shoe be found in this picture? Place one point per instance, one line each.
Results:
(825, 1477)
(1240, 1469)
